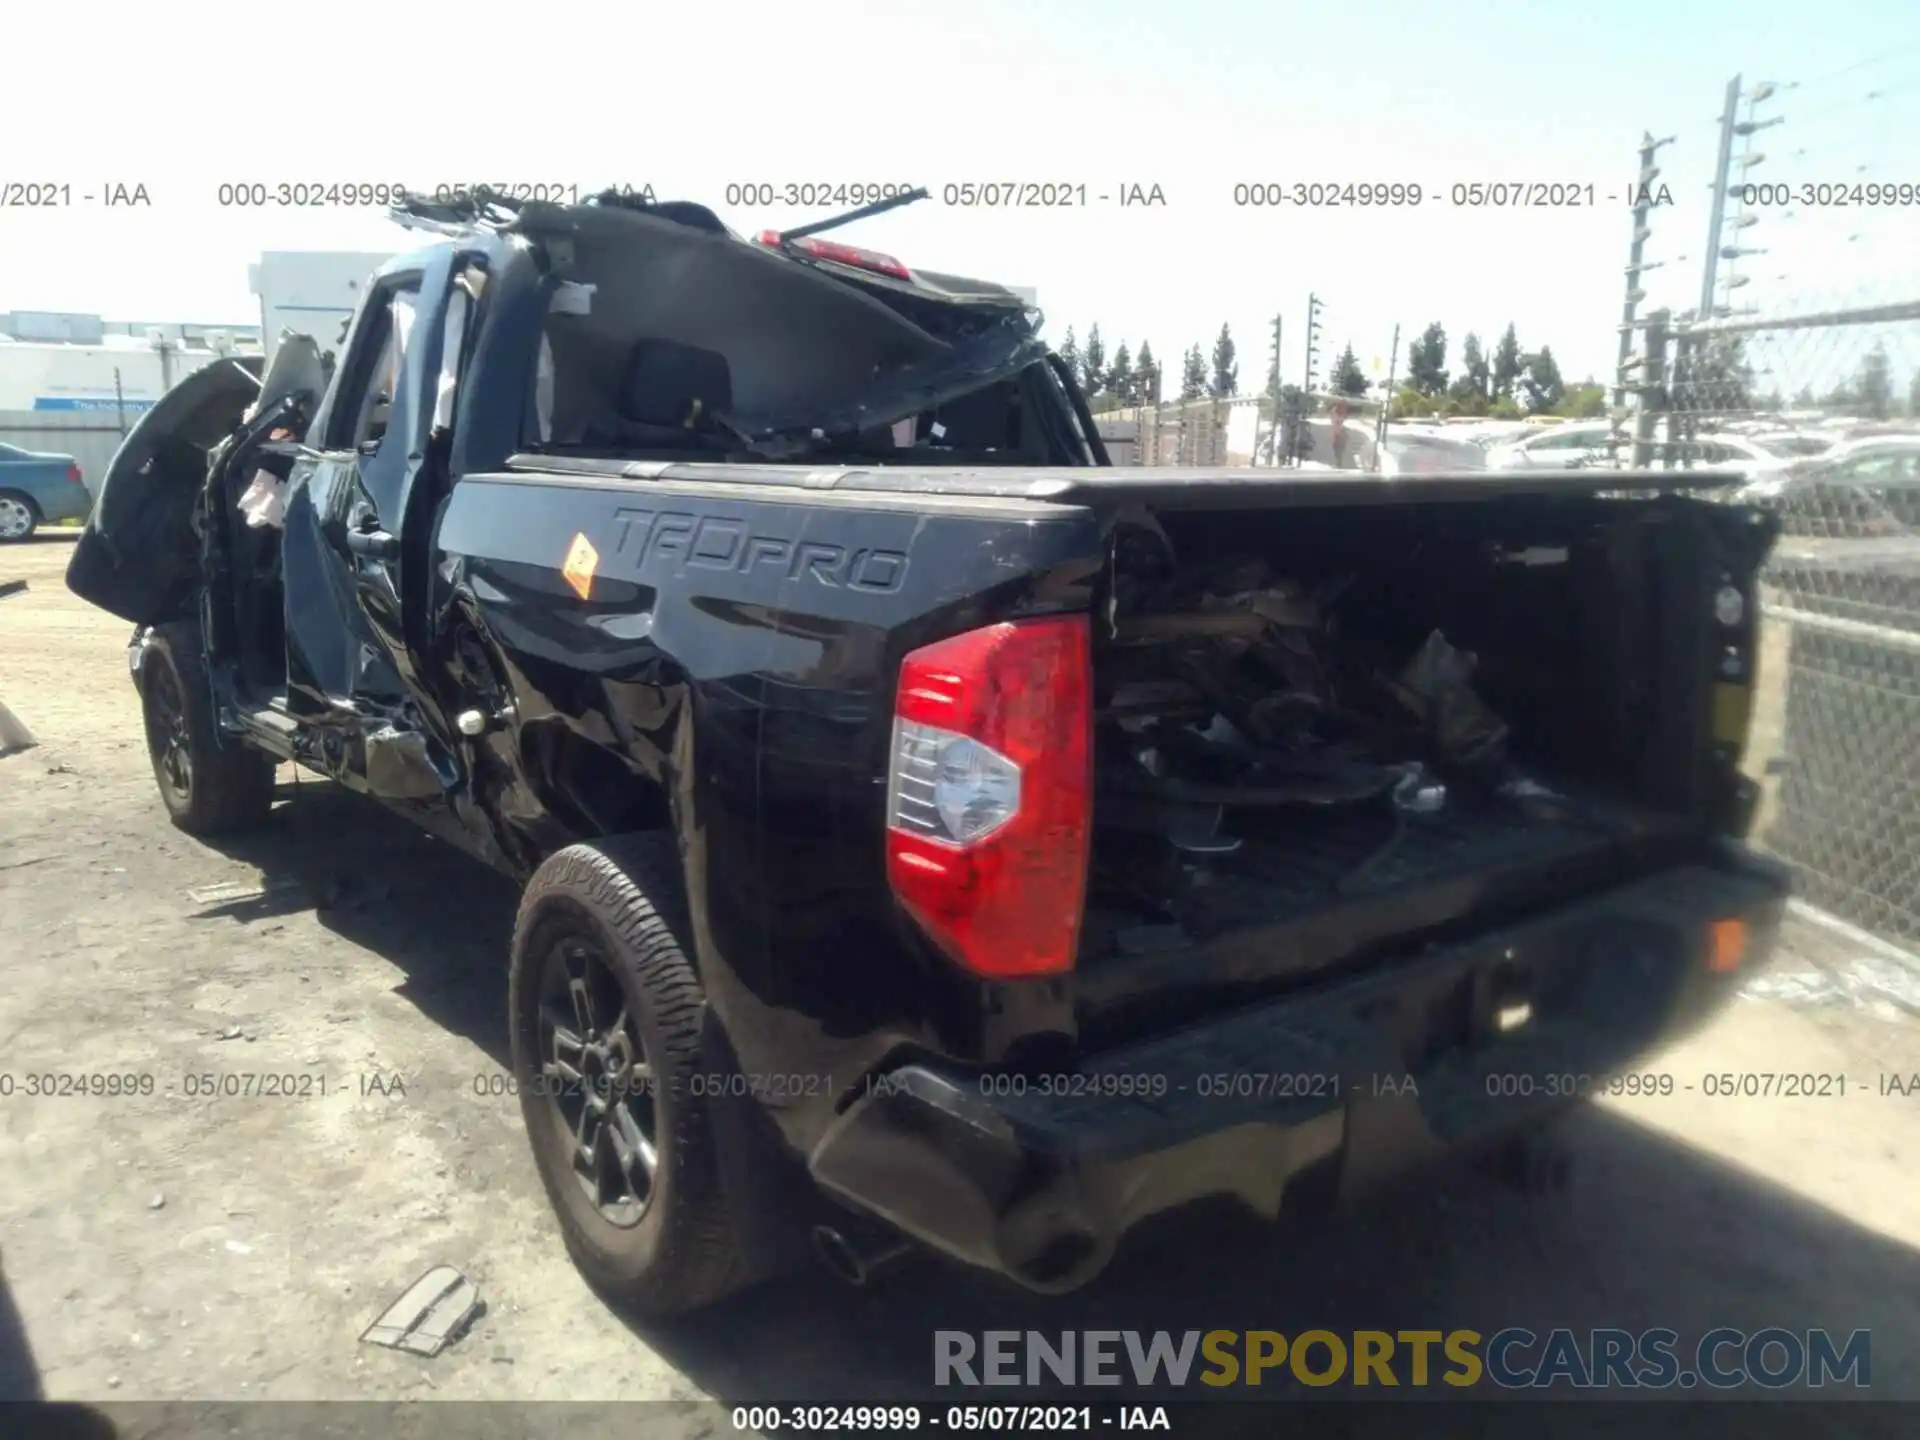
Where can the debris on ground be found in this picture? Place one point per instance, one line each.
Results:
(435, 1311)
(14, 735)
(1858, 982)
(231, 892)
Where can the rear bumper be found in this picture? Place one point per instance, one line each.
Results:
(1038, 1179)
(62, 501)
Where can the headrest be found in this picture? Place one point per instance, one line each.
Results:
(675, 386)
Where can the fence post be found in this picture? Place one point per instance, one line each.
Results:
(1683, 390)
(1652, 387)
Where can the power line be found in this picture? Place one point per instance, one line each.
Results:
(1872, 97)
(1852, 69)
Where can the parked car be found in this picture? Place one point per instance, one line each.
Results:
(38, 488)
(1427, 452)
(1753, 454)
(1555, 447)
(931, 836)
(1784, 442)
(1793, 444)
(1860, 489)
(1489, 433)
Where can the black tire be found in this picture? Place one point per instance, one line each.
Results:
(209, 782)
(610, 918)
(19, 509)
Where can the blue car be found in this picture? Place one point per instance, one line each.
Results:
(36, 489)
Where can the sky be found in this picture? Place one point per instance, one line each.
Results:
(1193, 98)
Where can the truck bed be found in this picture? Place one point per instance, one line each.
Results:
(1323, 891)
(1359, 856)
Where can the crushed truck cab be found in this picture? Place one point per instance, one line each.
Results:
(929, 835)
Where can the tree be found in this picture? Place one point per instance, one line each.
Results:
(1805, 399)
(1714, 377)
(1427, 361)
(1348, 377)
(1193, 374)
(1120, 376)
(1146, 376)
(1913, 397)
(1506, 366)
(1225, 380)
(1093, 363)
(1409, 402)
(1541, 384)
(1474, 383)
(1875, 384)
(1585, 401)
(1070, 353)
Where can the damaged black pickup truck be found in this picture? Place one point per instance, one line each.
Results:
(931, 836)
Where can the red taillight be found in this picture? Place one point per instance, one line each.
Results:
(73, 475)
(839, 254)
(990, 794)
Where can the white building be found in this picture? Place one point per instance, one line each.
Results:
(310, 292)
(117, 374)
(75, 384)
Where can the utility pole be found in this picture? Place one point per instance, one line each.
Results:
(1313, 332)
(1745, 218)
(1729, 119)
(1636, 266)
(1686, 370)
(1273, 400)
(1380, 430)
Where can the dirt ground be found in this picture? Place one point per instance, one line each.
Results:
(172, 1247)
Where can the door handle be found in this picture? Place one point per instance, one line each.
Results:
(373, 544)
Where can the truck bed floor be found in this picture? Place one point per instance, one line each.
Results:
(1314, 858)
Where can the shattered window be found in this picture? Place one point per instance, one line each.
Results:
(375, 405)
(452, 340)
(400, 331)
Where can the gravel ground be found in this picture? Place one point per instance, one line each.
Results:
(193, 1249)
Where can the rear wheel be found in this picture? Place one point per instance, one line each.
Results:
(607, 1013)
(209, 782)
(19, 517)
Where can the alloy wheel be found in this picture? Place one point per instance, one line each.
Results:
(16, 520)
(167, 738)
(595, 1074)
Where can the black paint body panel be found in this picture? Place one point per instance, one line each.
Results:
(736, 654)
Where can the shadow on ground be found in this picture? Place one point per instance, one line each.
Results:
(1650, 1234)
(377, 880)
(19, 1373)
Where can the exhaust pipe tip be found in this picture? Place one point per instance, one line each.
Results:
(855, 1260)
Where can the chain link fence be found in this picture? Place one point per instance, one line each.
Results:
(1819, 407)
(1797, 360)
(1208, 432)
(1241, 430)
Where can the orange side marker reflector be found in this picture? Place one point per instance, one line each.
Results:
(1727, 946)
(582, 561)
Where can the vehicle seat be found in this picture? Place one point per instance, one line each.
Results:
(674, 386)
(668, 396)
